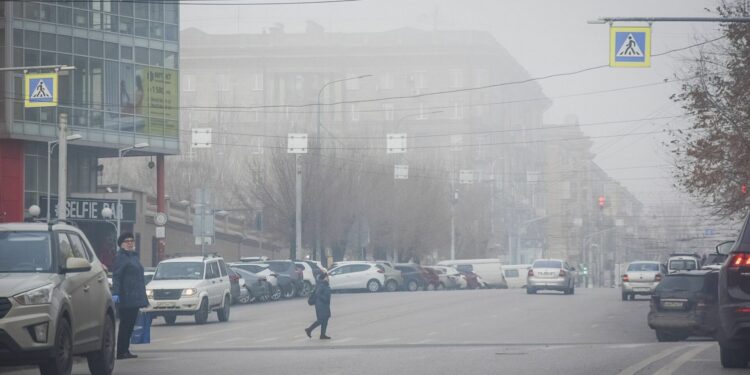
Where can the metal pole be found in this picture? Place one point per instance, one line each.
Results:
(50, 148)
(670, 19)
(62, 167)
(298, 208)
(119, 190)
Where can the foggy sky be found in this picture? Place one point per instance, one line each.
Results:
(546, 37)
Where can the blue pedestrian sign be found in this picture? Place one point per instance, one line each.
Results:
(630, 47)
(41, 90)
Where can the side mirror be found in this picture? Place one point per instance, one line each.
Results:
(724, 247)
(73, 265)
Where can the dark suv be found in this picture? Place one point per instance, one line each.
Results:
(685, 304)
(734, 303)
(413, 276)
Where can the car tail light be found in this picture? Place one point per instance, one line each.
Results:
(743, 310)
(625, 278)
(562, 273)
(740, 260)
(531, 273)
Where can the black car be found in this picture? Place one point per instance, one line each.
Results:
(413, 276)
(734, 303)
(290, 277)
(685, 304)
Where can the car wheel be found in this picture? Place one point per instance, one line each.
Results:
(201, 316)
(62, 360)
(290, 291)
(441, 286)
(307, 288)
(102, 362)
(170, 319)
(733, 358)
(275, 293)
(412, 286)
(530, 291)
(223, 313)
(373, 286)
(391, 286)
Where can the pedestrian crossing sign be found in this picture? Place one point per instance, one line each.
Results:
(630, 47)
(41, 90)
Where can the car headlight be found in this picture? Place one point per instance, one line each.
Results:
(38, 296)
(189, 292)
(149, 293)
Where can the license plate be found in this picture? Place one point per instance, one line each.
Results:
(672, 305)
(165, 304)
(642, 289)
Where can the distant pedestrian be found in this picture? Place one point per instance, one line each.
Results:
(322, 307)
(128, 291)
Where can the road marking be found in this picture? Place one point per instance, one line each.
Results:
(631, 370)
(673, 366)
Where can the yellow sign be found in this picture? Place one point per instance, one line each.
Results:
(630, 47)
(161, 100)
(40, 90)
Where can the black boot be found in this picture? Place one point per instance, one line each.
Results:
(324, 337)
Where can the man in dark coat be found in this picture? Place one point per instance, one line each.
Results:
(322, 307)
(128, 291)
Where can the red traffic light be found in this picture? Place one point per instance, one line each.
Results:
(743, 188)
(602, 200)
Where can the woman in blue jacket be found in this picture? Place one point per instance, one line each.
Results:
(128, 291)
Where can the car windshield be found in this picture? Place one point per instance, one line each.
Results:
(279, 266)
(682, 265)
(179, 271)
(254, 268)
(681, 283)
(643, 267)
(25, 252)
(548, 264)
(715, 258)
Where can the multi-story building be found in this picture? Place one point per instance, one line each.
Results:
(122, 91)
(445, 89)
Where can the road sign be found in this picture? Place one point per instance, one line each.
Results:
(401, 172)
(630, 46)
(201, 138)
(41, 90)
(395, 143)
(297, 143)
(466, 176)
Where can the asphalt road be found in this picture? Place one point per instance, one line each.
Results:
(445, 332)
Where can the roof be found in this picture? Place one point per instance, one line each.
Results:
(645, 261)
(701, 272)
(188, 259)
(40, 226)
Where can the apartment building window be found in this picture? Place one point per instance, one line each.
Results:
(418, 80)
(456, 78)
(257, 81)
(354, 111)
(352, 84)
(385, 81)
(388, 111)
(254, 115)
(458, 111)
(188, 82)
(422, 112)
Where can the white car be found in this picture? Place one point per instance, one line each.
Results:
(516, 275)
(308, 278)
(352, 276)
(490, 270)
(190, 286)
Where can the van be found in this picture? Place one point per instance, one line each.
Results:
(490, 270)
(682, 262)
(516, 275)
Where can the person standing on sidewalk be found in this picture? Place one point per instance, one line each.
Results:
(128, 291)
(322, 307)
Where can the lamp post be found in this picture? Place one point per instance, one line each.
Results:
(120, 153)
(320, 93)
(50, 149)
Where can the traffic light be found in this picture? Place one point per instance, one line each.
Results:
(602, 201)
(743, 189)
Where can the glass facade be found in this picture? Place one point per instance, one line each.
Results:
(124, 89)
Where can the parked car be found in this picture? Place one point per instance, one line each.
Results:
(685, 304)
(258, 288)
(262, 270)
(46, 314)
(393, 277)
(516, 275)
(412, 275)
(551, 274)
(490, 270)
(290, 277)
(431, 278)
(355, 276)
(641, 278)
(317, 268)
(234, 285)
(472, 280)
(734, 303)
(308, 278)
(190, 286)
(449, 277)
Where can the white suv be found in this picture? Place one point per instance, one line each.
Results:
(190, 286)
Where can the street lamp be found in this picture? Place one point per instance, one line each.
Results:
(320, 93)
(50, 149)
(120, 153)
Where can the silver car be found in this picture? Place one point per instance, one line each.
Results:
(551, 274)
(641, 278)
